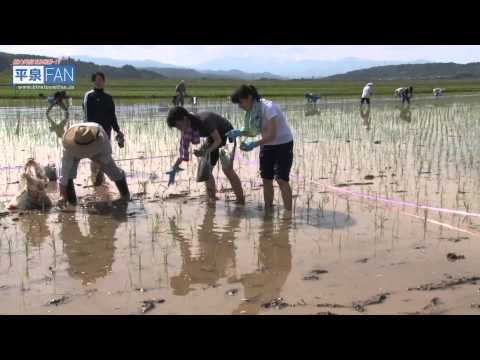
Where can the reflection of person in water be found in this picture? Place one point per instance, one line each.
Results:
(34, 226)
(275, 257)
(311, 109)
(58, 99)
(405, 114)
(366, 117)
(91, 256)
(216, 254)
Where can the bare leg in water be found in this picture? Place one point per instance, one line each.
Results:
(286, 191)
(236, 184)
(211, 189)
(268, 193)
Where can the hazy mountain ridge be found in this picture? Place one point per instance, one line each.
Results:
(414, 71)
(87, 68)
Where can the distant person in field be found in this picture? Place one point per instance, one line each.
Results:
(366, 93)
(180, 93)
(312, 98)
(265, 118)
(99, 107)
(207, 125)
(404, 93)
(438, 92)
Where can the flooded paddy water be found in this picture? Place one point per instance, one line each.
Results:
(385, 221)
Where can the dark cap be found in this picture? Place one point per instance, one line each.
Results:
(60, 94)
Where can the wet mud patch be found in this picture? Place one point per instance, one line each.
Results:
(148, 305)
(455, 239)
(446, 284)
(454, 257)
(61, 300)
(374, 300)
(354, 184)
(277, 303)
(359, 306)
(324, 219)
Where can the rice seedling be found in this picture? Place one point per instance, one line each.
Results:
(431, 160)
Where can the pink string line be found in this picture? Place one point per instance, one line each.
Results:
(448, 226)
(377, 197)
(399, 202)
(442, 224)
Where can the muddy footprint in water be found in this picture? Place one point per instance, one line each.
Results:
(374, 300)
(58, 301)
(314, 274)
(454, 257)
(148, 305)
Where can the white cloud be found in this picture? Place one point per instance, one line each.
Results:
(196, 54)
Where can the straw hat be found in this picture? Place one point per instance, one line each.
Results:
(83, 140)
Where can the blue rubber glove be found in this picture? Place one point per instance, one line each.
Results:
(248, 145)
(233, 134)
(172, 173)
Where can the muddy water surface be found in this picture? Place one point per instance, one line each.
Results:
(356, 242)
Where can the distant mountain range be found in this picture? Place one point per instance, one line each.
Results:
(299, 68)
(116, 69)
(149, 69)
(184, 73)
(87, 68)
(120, 63)
(177, 72)
(414, 71)
(249, 68)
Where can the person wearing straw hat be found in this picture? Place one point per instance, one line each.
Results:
(88, 140)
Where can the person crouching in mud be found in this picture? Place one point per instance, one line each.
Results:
(212, 126)
(276, 145)
(88, 140)
(99, 107)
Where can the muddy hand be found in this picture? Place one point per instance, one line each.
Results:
(120, 139)
(61, 203)
(199, 152)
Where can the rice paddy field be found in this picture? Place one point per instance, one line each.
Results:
(141, 89)
(386, 218)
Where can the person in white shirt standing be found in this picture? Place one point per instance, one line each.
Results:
(367, 91)
(265, 118)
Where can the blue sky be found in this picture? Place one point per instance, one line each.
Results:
(191, 55)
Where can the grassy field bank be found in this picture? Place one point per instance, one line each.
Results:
(131, 88)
